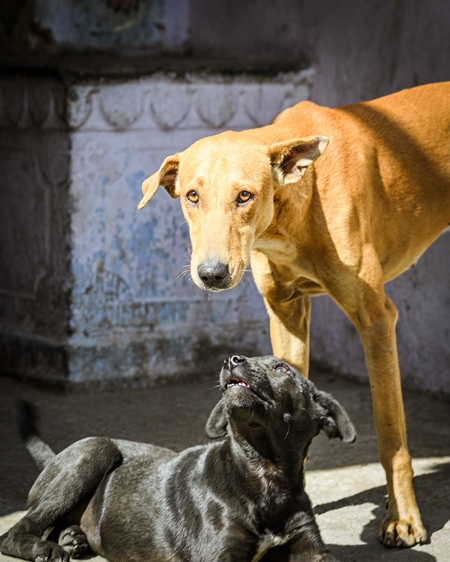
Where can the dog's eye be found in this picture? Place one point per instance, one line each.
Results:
(192, 197)
(244, 197)
(281, 368)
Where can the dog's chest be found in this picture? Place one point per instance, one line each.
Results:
(269, 540)
(291, 273)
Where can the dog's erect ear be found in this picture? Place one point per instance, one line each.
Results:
(216, 426)
(294, 156)
(165, 176)
(334, 419)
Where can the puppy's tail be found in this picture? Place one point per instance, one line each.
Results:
(40, 451)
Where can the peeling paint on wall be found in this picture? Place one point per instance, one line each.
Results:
(81, 25)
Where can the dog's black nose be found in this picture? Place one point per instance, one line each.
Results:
(214, 274)
(235, 361)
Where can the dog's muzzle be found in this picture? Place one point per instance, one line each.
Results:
(229, 365)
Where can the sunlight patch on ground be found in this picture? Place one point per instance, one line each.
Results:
(349, 501)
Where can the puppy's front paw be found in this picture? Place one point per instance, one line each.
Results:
(74, 541)
(47, 551)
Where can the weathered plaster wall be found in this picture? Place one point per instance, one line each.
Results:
(34, 227)
(84, 25)
(93, 291)
(359, 50)
(124, 28)
(134, 313)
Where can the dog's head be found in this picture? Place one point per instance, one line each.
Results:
(226, 184)
(272, 406)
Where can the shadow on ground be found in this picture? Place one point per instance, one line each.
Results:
(432, 495)
(429, 492)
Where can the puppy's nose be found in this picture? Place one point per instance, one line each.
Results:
(235, 361)
(213, 274)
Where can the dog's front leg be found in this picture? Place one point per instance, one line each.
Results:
(289, 331)
(24, 541)
(289, 315)
(375, 320)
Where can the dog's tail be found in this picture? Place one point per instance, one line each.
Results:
(40, 451)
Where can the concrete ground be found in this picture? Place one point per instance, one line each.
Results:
(345, 482)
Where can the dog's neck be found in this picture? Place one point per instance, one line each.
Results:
(268, 470)
(273, 484)
(287, 242)
(293, 207)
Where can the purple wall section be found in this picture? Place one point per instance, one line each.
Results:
(359, 50)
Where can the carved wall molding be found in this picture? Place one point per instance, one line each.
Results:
(159, 102)
(164, 103)
(32, 103)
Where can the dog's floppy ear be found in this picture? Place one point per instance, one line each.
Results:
(216, 426)
(294, 156)
(334, 419)
(165, 176)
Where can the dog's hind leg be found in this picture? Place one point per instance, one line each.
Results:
(74, 541)
(402, 526)
(375, 316)
(71, 477)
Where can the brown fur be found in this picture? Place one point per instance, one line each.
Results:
(342, 224)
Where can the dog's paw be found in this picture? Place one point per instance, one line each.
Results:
(74, 541)
(402, 532)
(47, 551)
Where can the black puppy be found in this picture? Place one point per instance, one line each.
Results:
(232, 500)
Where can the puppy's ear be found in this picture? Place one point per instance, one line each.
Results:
(334, 419)
(165, 176)
(292, 157)
(216, 426)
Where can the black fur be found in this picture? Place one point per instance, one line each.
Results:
(240, 497)
(40, 451)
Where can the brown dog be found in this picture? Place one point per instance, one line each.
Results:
(343, 224)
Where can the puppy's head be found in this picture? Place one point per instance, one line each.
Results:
(271, 405)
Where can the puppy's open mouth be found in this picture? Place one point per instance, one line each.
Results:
(236, 382)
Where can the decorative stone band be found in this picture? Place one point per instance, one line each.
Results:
(163, 102)
(27, 103)
(160, 102)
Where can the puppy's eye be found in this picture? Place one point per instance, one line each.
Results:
(193, 197)
(244, 197)
(282, 368)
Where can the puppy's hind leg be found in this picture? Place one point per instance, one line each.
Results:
(71, 477)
